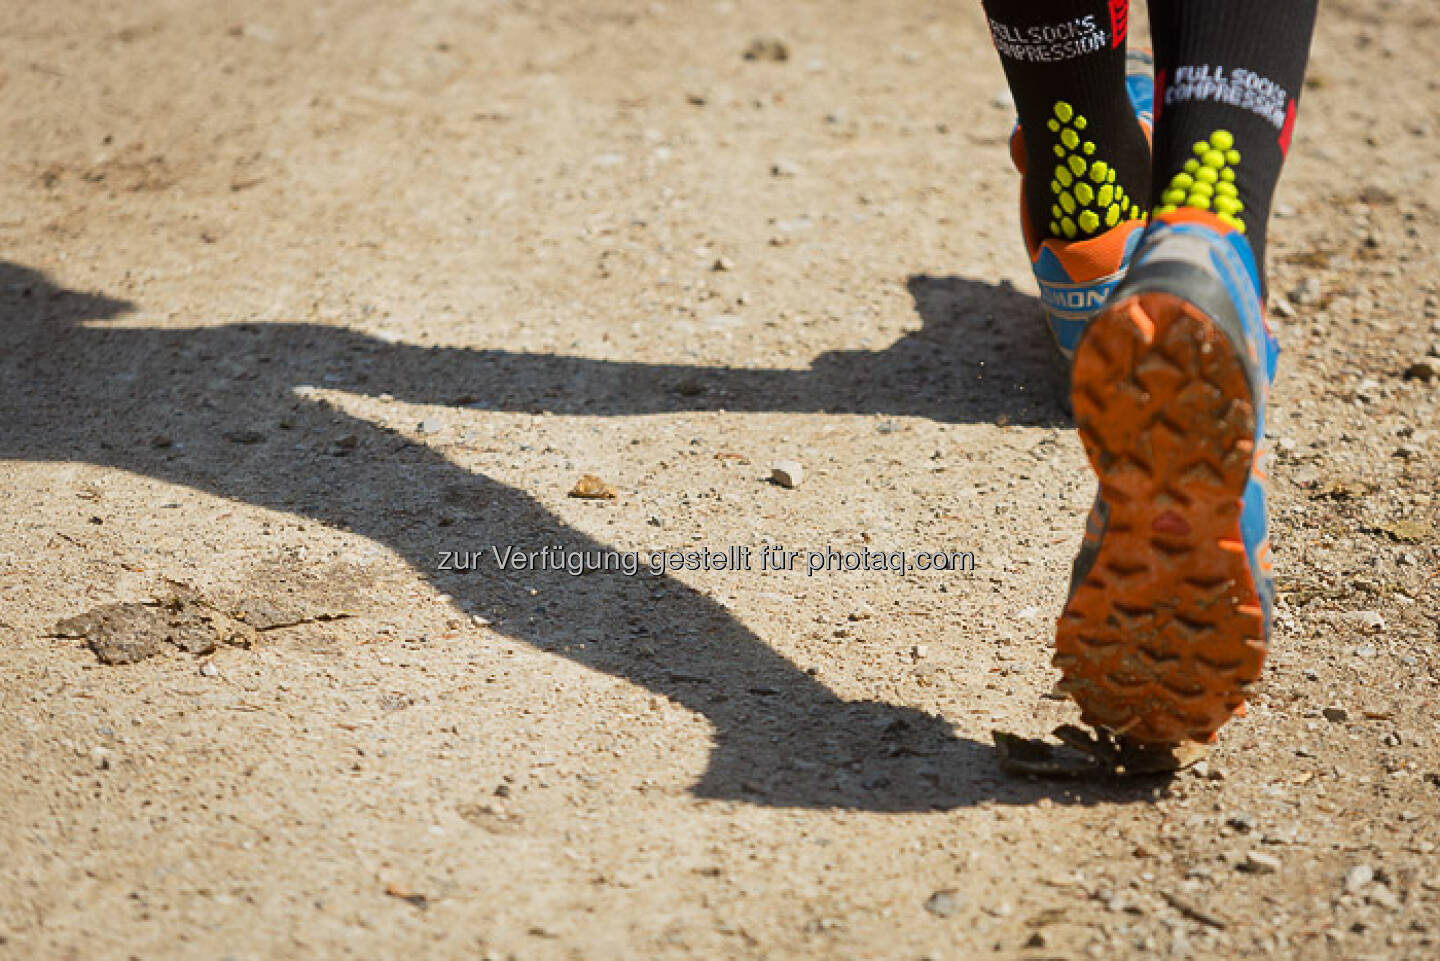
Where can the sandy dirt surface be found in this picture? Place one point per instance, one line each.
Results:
(295, 298)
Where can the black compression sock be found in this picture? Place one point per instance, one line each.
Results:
(1228, 77)
(1087, 161)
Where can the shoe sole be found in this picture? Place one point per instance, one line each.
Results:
(1164, 632)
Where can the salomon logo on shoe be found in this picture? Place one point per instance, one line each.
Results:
(1077, 301)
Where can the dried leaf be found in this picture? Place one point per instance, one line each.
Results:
(591, 487)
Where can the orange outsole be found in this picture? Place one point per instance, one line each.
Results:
(1161, 637)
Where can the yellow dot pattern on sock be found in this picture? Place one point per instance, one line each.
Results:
(1088, 200)
(1207, 181)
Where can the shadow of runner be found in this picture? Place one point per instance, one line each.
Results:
(781, 737)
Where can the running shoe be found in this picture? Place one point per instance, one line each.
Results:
(1075, 277)
(1168, 616)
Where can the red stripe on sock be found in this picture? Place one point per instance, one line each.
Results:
(1119, 21)
(1288, 130)
(1159, 93)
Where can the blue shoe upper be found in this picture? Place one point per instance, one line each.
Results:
(1069, 304)
(1226, 257)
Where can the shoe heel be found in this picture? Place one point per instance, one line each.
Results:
(1165, 630)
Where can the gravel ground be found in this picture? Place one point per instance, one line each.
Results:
(308, 309)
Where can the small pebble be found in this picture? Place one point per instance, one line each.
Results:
(1308, 292)
(1424, 369)
(787, 473)
(943, 904)
(1358, 877)
(1369, 621)
(1382, 896)
(1374, 195)
(1336, 715)
(1258, 862)
(771, 49)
